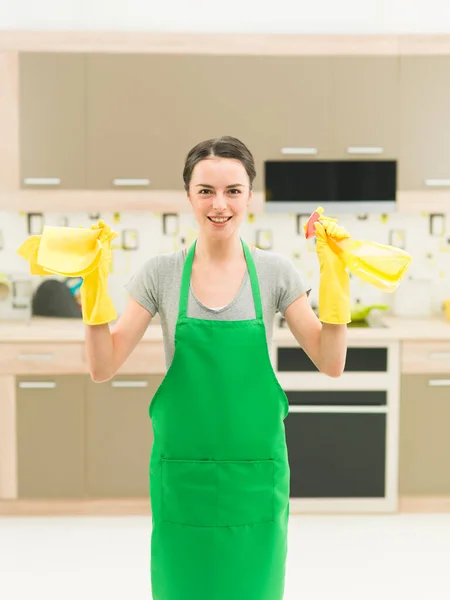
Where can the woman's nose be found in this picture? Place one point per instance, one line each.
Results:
(219, 201)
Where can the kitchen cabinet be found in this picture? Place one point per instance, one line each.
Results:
(145, 112)
(364, 107)
(52, 102)
(50, 436)
(292, 111)
(424, 123)
(424, 443)
(119, 436)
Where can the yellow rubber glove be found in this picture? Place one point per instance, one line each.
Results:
(76, 252)
(334, 287)
(96, 304)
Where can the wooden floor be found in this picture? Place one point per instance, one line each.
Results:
(378, 557)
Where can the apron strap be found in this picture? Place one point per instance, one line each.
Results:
(186, 281)
(254, 281)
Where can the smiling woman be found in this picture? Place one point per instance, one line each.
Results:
(218, 177)
(219, 471)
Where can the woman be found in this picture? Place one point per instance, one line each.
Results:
(219, 473)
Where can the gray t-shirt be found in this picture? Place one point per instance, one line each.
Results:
(156, 286)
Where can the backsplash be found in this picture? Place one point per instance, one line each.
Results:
(142, 235)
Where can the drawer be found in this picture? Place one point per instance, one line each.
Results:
(30, 359)
(425, 357)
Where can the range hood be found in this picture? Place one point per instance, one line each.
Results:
(340, 186)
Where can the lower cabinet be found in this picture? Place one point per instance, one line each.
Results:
(50, 417)
(119, 436)
(424, 459)
(80, 439)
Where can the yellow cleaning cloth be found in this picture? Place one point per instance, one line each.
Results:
(77, 252)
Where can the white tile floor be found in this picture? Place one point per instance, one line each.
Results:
(399, 557)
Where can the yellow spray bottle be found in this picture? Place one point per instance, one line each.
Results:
(380, 265)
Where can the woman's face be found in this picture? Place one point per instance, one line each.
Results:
(219, 193)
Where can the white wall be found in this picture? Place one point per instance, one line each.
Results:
(279, 16)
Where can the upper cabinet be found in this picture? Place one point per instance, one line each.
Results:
(145, 112)
(106, 121)
(425, 123)
(52, 101)
(364, 107)
(291, 113)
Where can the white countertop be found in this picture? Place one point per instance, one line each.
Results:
(46, 330)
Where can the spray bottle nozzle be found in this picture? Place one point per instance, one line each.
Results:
(310, 230)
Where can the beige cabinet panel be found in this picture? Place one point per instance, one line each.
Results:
(145, 112)
(364, 106)
(52, 101)
(50, 436)
(425, 121)
(119, 436)
(424, 440)
(293, 107)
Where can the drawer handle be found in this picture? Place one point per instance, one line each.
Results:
(365, 150)
(301, 150)
(129, 384)
(42, 181)
(37, 385)
(130, 182)
(437, 182)
(440, 355)
(439, 382)
(35, 356)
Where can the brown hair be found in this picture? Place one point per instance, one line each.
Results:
(224, 147)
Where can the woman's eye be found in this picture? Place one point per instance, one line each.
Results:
(206, 191)
(236, 190)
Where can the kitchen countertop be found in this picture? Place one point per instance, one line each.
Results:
(48, 330)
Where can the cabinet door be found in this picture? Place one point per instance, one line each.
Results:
(52, 120)
(50, 436)
(364, 107)
(424, 434)
(145, 112)
(293, 108)
(425, 122)
(119, 436)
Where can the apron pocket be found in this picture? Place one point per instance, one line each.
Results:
(208, 493)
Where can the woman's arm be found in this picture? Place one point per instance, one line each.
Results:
(107, 349)
(324, 343)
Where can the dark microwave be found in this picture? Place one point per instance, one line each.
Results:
(361, 186)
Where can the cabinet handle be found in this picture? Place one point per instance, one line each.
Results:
(42, 181)
(35, 356)
(130, 182)
(37, 385)
(439, 382)
(365, 150)
(437, 182)
(129, 384)
(337, 409)
(440, 355)
(300, 150)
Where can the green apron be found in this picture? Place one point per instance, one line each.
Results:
(219, 471)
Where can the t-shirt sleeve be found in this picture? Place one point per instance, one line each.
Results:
(143, 286)
(290, 284)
